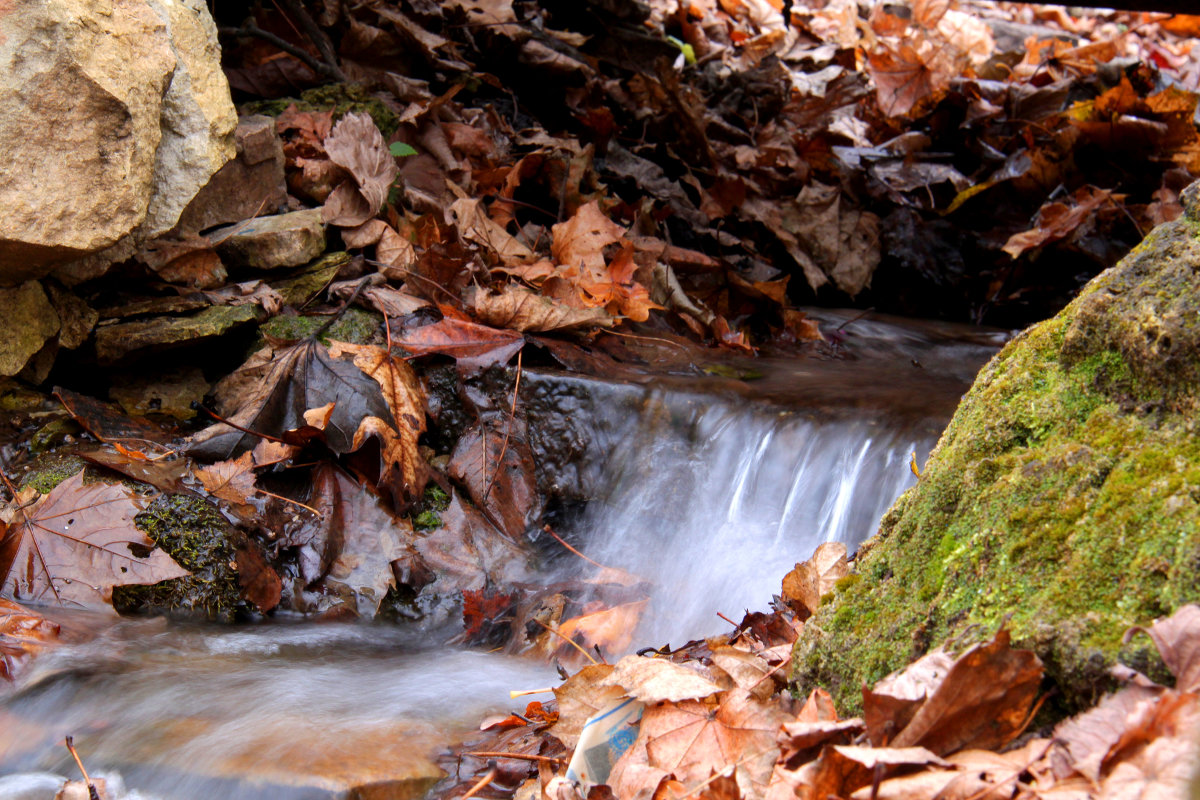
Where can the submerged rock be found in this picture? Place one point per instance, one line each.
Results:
(1064, 497)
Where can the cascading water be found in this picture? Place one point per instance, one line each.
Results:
(710, 492)
(714, 503)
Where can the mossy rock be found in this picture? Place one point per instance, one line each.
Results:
(193, 532)
(50, 469)
(1063, 498)
(356, 327)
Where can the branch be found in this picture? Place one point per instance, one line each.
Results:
(330, 71)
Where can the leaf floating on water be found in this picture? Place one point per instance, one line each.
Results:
(72, 546)
(23, 634)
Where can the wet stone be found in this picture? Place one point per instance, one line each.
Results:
(283, 240)
(115, 342)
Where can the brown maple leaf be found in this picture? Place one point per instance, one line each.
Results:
(23, 633)
(72, 546)
(691, 738)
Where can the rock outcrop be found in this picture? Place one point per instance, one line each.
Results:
(116, 114)
(1063, 500)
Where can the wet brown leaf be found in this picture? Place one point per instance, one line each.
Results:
(519, 309)
(73, 545)
(581, 696)
(23, 634)
(274, 389)
(610, 629)
(498, 472)
(350, 546)
(805, 585)
(471, 344)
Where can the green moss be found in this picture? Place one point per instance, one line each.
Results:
(50, 470)
(355, 326)
(310, 279)
(195, 534)
(340, 98)
(1064, 497)
(435, 500)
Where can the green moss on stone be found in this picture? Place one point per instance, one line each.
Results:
(355, 326)
(340, 98)
(1064, 497)
(195, 534)
(434, 501)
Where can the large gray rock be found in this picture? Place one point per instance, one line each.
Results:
(116, 113)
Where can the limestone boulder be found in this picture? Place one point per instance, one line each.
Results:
(1063, 499)
(116, 114)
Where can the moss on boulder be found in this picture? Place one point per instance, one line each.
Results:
(1064, 497)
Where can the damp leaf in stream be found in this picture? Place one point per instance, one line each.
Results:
(73, 545)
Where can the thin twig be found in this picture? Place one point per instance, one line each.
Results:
(317, 36)
(520, 756)
(315, 64)
(478, 787)
(515, 693)
(563, 542)
(93, 794)
(287, 500)
(569, 641)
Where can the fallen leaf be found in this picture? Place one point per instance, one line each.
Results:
(654, 680)
(983, 702)
(808, 582)
(473, 345)
(1178, 641)
(522, 310)
(350, 546)
(271, 392)
(497, 470)
(23, 634)
(610, 629)
(356, 144)
(73, 545)
(691, 738)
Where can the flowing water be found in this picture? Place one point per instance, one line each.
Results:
(710, 490)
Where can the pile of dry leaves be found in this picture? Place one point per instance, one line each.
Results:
(716, 720)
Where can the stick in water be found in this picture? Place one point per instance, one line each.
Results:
(93, 794)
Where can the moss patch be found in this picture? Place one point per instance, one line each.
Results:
(1063, 497)
(50, 470)
(195, 534)
(355, 326)
(340, 98)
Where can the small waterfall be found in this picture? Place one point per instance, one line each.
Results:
(715, 501)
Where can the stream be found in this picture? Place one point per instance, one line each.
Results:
(712, 489)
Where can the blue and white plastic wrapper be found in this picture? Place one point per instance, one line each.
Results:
(606, 736)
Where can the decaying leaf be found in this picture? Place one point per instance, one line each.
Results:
(271, 392)
(520, 309)
(805, 585)
(23, 634)
(357, 145)
(497, 470)
(350, 546)
(471, 344)
(72, 546)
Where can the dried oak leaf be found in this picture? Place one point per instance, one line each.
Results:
(350, 546)
(653, 680)
(474, 225)
(72, 546)
(1057, 221)
(842, 769)
(691, 738)
(356, 144)
(271, 392)
(519, 309)
(231, 481)
(23, 634)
